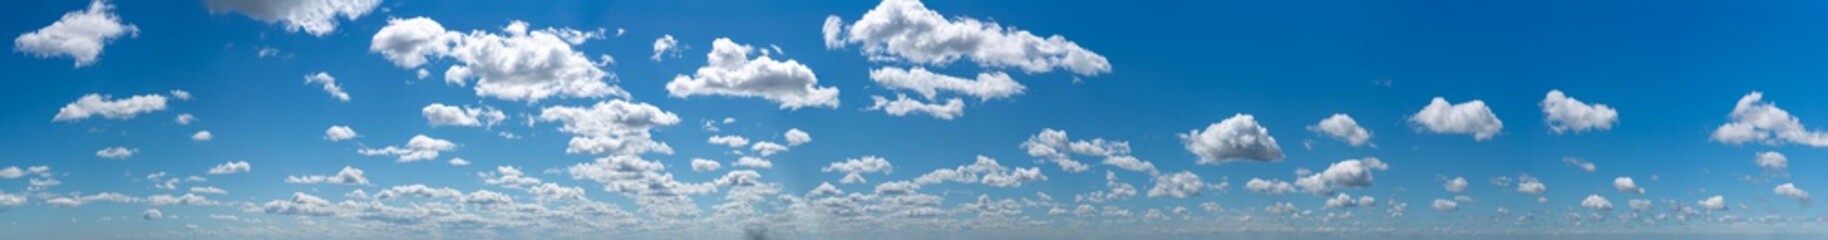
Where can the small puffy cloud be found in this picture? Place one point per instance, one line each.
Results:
(854, 168)
(106, 107)
(1054, 146)
(1790, 190)
(517, 65)
(1458, 184)
(1567, 114)
(1177, 185)
(705, 165)
(185, 119)
(1270, 187)
(1346, 201)
(1715, 203)
(1773, 161)
(615, 126)
(201, 136)
(1584, 165)
(339, 133)
(330, 85)
(1350, 173)
(419, 148)
(1445, 205)
(1625, 184)
(1753, 119)
(752, 162)
(1341, 126)
(730, 72)
(80, 35)
(317, 17)
(1471, 117)
(231, 168)
(666, 46)
(1596, 203)
(906, 31)
(729, 140)
(348, 176)
(902, 106)
(116, 152)
(1235, 138)
(152, 214)
(1639, 204)
(208, 190)
(459, 162)
(928, 84)
(987, 171)
(795, 137)
(1531, 186)
(438, 114)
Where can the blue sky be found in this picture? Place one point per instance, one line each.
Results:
(1683, 98)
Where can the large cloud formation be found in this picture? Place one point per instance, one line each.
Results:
(520, 64)
(906, 31)
(1753, 119)
(731, 72)
(80, 34)
(317, 17)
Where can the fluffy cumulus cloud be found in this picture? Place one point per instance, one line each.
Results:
(854, 168)
(1530, 185)
(419, 148)
(202, 136)
(1270, 187)
(730, 72)
(1346, 201)
(986, 171)
(928, 84)
(1177, 185)
(1054, 146)
(906, 31)
(795, 137)
(1772, 161)
(231, 168)
(339, 133)
(1596, 203)
(518, 64)
(615, 127)
(1566, 114)
(1625, 184)
(1458, 184)
(902, 106)
(347, 176)
(107, 107)
(1351, 173)
(1471, 117)
(1753, 119)
(666, 46)
(1789, 190)
(705, 165)
(317, 17)
(116, 152)
(1341, 126)
(329, 83)
(80, 35)
(438, 114)
(1715, 203)
(1445, 205)
(1236, 138)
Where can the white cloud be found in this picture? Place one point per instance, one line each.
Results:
(615, 127)
(906, 31)
(1471, 117)
(1596, 203)
(231, 168)
(152, 214)
(752, 162)
(208, 190)
(317, 17)
(1054, 146)
(795, 137)
(1639, 204)
(1715, 203)
(1531, 186)
(705, 165)
(1584, 165)
(103, 105)
(1790, 190)
(1568, 114)
(8, 200)
(1177, 185)
(1341, 126)
(116, 152)
(1350, 173)
(348, 176)
(459, 162)
(185, 119)
(854, 168)
(419, 148)
(1270, 187)
(1753, 119)
(438, 114)
(987, 171)
(766, 148)
(79, 34)
(1236, 138)
(521, 65)
(1445, 205)
(202, 136)
(928, 84)
(1458, 184)
(339, 133)
(729, 140)
(666, 46)
(730, 72)
(329, 83)
(1624, 184)
(1346, 201)
(902, 106)
(1773, 161)
(634, 176)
